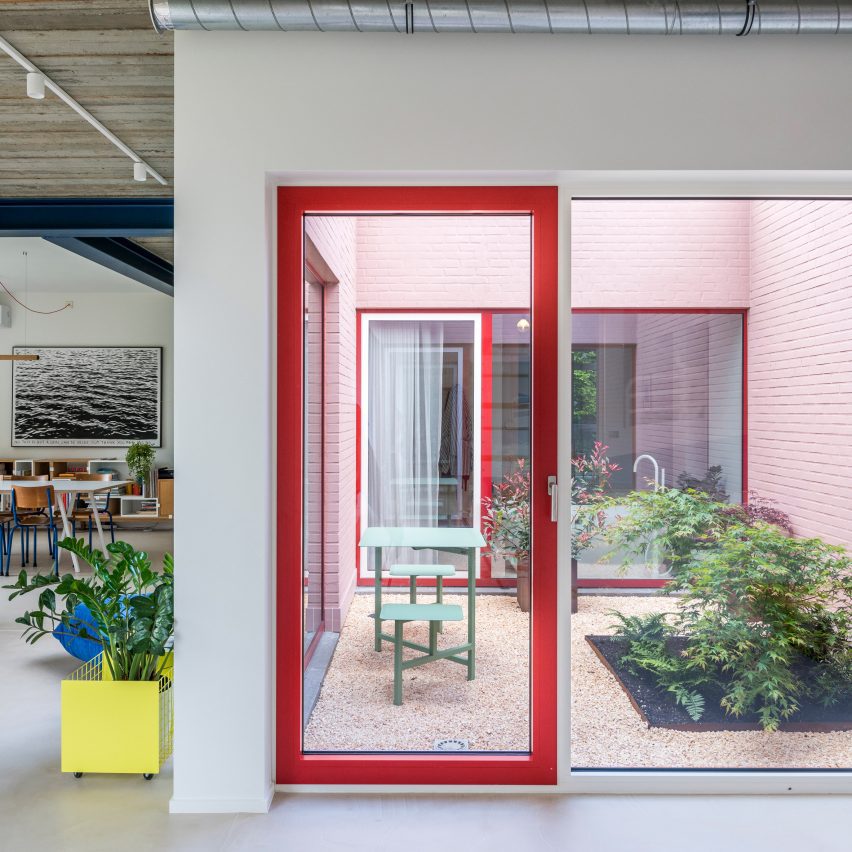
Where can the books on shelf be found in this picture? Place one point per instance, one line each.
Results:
(147, 507)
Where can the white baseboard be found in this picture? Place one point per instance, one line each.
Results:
(259, 805)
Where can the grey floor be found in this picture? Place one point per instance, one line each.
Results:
(42, 809)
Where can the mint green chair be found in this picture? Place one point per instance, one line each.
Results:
(432, 613)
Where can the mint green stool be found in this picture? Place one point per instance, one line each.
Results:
(434, 614)
(415, 571)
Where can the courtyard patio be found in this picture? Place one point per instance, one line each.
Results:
(355, 710)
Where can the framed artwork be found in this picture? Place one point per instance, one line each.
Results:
(87, 396)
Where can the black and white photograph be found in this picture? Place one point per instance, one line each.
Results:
(81, 396)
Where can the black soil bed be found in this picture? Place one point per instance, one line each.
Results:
(658, 709)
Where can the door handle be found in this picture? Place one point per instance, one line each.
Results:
(553, 491)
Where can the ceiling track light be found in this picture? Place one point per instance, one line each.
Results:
(37, 82)
(35, 85)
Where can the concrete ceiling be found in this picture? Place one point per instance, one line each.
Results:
(107, 56)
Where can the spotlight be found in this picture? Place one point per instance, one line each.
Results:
(35, 85)
(140, 173)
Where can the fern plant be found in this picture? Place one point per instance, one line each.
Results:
(648, 637)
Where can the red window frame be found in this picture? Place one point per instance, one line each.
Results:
(292, 765)
(485, 580)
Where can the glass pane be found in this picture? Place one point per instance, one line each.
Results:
(313, 451)
(713, 627)
(417, 483)
(659, 396)
(510, 417)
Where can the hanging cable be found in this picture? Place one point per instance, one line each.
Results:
(26, 288)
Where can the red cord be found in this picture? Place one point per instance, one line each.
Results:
(32, 310)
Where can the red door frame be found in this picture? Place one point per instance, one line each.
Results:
(292, 766)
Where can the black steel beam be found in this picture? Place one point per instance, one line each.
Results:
(86, 217)
(123, 256)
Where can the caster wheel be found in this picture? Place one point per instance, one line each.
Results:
(148, 776)
(78, 774)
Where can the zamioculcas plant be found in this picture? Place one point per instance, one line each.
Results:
(131, 607)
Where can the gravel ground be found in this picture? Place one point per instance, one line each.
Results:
(607, 731)
(355, 710)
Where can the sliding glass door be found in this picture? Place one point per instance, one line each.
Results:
(422, 449)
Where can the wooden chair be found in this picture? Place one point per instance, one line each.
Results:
(32, 509)
(83, 513)
(6, 517)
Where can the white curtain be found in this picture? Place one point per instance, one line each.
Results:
(404, 424)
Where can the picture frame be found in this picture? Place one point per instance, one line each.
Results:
(87, 396)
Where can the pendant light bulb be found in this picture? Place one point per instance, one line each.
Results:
(140, 173)
(35, 85)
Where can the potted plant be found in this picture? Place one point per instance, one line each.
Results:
(506, 525)
(116, 709)
(590, 481)
(140, 460)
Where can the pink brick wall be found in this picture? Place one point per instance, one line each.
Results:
(650, 253)
(313, 454)
(800, 362)
(335, 239)
(443, 262)
(624, 254)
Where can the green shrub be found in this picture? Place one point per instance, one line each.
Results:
(682, 524)
(752, 612)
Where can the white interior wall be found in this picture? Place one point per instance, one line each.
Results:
(142, 318)
(602, 115)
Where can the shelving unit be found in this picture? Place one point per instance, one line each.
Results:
(135, 508)
(124, 507)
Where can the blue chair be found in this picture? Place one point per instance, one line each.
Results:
(32, 509)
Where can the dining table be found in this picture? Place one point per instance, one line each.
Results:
(67, 492)
(463, 540)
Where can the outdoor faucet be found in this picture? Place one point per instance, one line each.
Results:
(659, 481)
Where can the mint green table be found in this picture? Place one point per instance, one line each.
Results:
(444, 540)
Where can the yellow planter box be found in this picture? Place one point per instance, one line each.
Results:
(115, 726)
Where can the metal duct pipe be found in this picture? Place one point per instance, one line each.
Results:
(630, 17)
